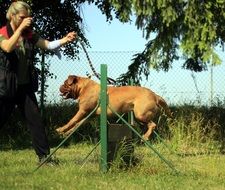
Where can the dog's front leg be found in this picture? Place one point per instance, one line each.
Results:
(74, 127)
(73, 122)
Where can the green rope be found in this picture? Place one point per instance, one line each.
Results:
(169, 148)
(84, 160)
(146, 142)
(64, 140)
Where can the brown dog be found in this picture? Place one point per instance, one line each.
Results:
(142, 101)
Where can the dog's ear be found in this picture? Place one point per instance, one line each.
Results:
(71, 79)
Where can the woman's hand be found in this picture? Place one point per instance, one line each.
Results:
(26, 23)
(70, 37)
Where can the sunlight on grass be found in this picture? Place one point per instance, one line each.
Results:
(196, 172)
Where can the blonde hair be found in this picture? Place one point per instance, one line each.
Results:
(16, 7)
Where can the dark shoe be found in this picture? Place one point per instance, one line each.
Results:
(48, 161)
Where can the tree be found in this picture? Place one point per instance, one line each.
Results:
(188, 29)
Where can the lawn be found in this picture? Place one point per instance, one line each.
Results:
(196, 171)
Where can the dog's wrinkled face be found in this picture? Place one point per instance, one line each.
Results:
(68, 89)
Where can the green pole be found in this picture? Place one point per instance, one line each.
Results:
(103, 120)
(131, 114)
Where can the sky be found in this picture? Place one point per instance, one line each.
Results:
(114, 36)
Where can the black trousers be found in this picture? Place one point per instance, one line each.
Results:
(26, 101)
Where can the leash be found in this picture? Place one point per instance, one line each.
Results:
(109, 80)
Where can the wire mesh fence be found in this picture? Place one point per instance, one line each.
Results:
(177, 86)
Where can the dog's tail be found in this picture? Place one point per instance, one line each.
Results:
(162, 103)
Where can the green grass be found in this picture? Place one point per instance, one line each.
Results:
(205, 171)
(196, 135)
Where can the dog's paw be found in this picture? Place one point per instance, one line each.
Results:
(145, 138)
(67, 133)
(60, 131)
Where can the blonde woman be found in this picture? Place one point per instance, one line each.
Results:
(17, 41)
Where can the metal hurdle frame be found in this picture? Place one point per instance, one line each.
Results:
(104, 166)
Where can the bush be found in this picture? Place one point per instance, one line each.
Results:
(190, 127)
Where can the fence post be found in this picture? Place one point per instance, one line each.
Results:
(42, 83)
(211, 86)
(103, 120)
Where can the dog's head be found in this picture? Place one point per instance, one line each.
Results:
(70, 89)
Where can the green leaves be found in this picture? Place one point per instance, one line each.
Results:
(123, 9)
(169, 15)
(194, 28)
(188, 28)
(201, 33)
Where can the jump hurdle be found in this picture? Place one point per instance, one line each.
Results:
(104, 165)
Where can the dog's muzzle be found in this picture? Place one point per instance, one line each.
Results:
(65, 92)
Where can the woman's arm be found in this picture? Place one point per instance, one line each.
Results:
(8, 45)
(51, 45)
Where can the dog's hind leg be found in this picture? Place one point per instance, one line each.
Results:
(151, 126)
(145, 116)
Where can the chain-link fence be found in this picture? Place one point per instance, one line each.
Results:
(177, 86)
